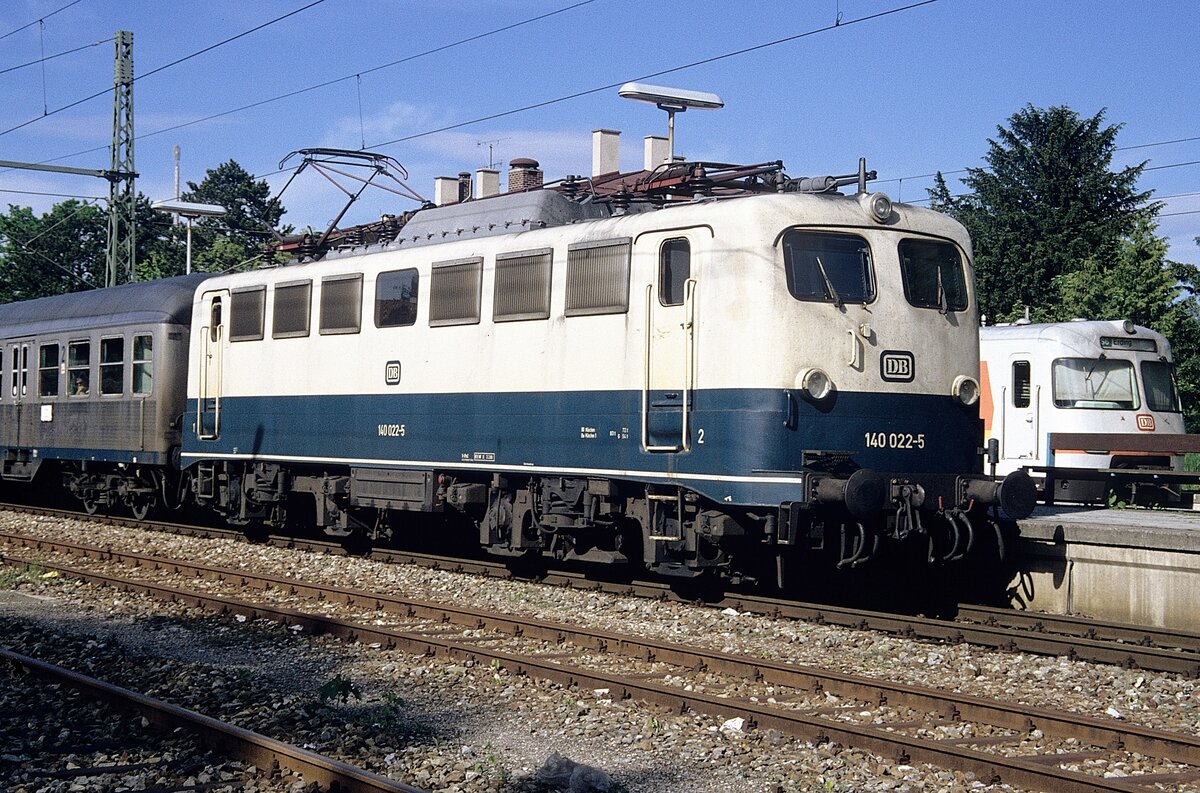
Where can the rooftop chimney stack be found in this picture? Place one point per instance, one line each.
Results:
(656, 150)
(445, 190)
(487, 182)
(524, 174)
(606, 151)
(464, 185)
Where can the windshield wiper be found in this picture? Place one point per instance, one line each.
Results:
(1092, 368)
(943, 301)
(837, 299)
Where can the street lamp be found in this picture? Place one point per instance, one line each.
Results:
(672, 100)
(191, 211)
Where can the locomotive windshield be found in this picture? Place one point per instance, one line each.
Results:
(933, 275)
(1160, 387)
(1097, 383)
(828, 268)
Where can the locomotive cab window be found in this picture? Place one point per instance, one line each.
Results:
(79, 368)
(341, 304)
(522, 285)
(598, 277)
(674, 270)
(396, 298)
(1094, 383)
(1159, 383)
(454, 290)
(112, 365)
(143, 363)
(246, 308)
(933, 277)
(828, 268)
(293, 307)
(48, 370)
(1020, 384)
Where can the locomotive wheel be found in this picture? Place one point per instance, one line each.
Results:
(141, 508)
(90, 506)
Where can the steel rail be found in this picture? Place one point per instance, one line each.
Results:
(244, 744)
(1035, 772)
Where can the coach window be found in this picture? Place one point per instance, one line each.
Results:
(933, 277)
(396, 298)
(143, 364)
(341, 304)
(454, 290)
(20, 375)
(1020, 386)
(79, 368)
(112, 365)
(1097, 383)
(598, 277)
(246, 308)
(293, 307)
(674, 270)
(522, 285)
(48, 370)
(828, 268)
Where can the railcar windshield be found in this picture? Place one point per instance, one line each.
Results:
(1097, 383)
(1160, 387)
(828, 268)
(933, 275)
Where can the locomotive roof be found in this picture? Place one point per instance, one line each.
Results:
(166, 301)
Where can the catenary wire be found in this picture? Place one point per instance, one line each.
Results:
(52, 57)
(42, 18)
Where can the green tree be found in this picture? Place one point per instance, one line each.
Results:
(235, 239)
(1047, 202)
(60, 251)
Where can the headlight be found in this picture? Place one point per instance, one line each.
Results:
(815, 384)
(878, 206)
(965, 390)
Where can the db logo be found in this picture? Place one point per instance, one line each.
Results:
(1145, 422)
(391, 373)
(897, 366)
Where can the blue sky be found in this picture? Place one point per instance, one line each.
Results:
(914, 91)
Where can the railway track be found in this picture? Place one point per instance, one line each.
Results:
(1030, 747)
(146, 740)
(1079, 638)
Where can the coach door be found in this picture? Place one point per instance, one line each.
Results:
(668, 376)
(212, 358)
(18, 358)
(1020, 410)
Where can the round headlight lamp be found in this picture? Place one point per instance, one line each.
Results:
(965, 389)
(815, 383)
(878, 206)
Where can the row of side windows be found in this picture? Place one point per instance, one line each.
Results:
(75, 362)
(597, 283)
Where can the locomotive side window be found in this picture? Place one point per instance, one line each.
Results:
(598, 277)
(1160, 387)
(143, 364)
(79, 368)
(341, 304)
(112, 365)
(674, 269)
(828, 268)
(933, 275)
(1020, 386)
(396, 298)
(48, 370)
(214, 322)
(454, 290)
(246, 308)
(1097, 383)
(293, 308)
(522, 285)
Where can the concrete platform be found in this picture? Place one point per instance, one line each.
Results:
(1122, 565)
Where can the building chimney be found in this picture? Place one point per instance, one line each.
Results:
(606, 151)
(524, 174)
(445, 190)
(464, 185)
(655, 152)
(487, 182)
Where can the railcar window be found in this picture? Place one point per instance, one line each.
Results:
(246, 308)
(396, 298)
(143, 364)
(828, 268)
(293, 308)
(341, 304)
(522, 285)
(454, 290)
(598, 277)
(1020, 386)
(20, 358)
(933, 275)
(1095, 383)
(112, 365)
(79, 367)
(674, 269)
(48, 370)
(1160, 387)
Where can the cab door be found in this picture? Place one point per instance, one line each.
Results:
(213, 345)
(669, 373)
(1022, 396)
